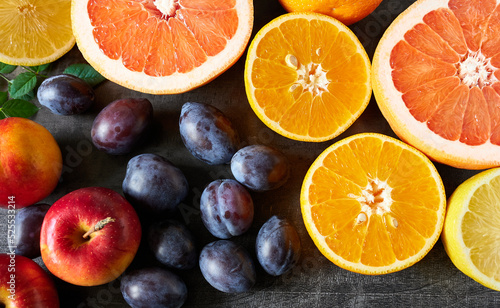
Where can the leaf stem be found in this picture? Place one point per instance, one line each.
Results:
(29, 69)
(34, 72)
(4, 114)
(6, 79)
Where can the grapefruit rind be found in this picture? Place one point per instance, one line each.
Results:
(250, 89)
(319, 240)
(402, 122)
(452, 238)
(115, 71)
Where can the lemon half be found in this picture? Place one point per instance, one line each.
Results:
(34, 32)
(471, 234)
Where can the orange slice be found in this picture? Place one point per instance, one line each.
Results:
(436, 80)
(307, 76)
(347, 11)
(162, 46)
(34, 32)
(372, 204)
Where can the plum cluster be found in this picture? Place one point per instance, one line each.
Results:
(211, 137)
(226, 206)
(117, 129)
(229, 268)
(154, 186)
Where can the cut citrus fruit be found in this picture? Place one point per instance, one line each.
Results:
(34, 32)
(162, 46)
(347, 11)
(307, 76)
(372, 204)
(436, 80)
(471, 233)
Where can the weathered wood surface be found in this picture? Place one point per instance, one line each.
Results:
(315, 282)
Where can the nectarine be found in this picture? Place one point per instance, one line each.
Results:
(30, 162)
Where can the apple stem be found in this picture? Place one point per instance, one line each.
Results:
(98, 226)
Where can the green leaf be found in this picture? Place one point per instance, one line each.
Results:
(85, 72)
(28, 96)
(18, 108)
(6, 68)
(40, 68)
(22, 84)
(3, 97)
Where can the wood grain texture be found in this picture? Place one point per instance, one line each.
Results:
(314, 282)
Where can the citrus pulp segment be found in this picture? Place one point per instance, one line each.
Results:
(436, 80)
(162, 46)
(372, 204)
(471, 233)
(347, 11)
(34, 32)
(307, 76)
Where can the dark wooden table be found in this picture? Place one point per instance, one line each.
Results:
(314, 282)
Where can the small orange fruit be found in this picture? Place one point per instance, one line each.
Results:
(436, 79)
(347, 11)
(372, 204)
(30, 163)
(307, 76)
(162, 46)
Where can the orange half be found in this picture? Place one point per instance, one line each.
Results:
(372, 204)
(307, 76)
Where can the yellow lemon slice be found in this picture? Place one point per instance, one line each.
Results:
(34, 32)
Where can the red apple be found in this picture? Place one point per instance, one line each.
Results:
(90, 236)
(25, 284)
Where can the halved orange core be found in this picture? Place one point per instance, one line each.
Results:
(447, 69)
(376, 194)
(161, 37)
(26, 8)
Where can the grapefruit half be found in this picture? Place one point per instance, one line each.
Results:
(436, 79)
(162, 46)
